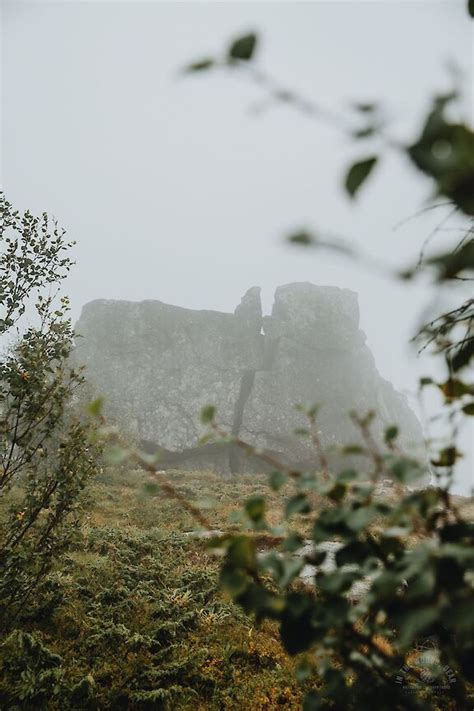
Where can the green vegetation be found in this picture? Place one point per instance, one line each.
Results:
(47, 452)
(411, 558)
(108, 601)
(417, 590)
(130, 617)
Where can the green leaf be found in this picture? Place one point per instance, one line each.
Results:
(364, 132)
(307, 481)
(337, 582)
(115, 455)
(422, 584)
(406, 470)
(255, 508)
(363, 491)
(277, 479)
(304, 671)
(365, 107)
(330, 522)
(208, 437)
(235, 582)
(353, 552)
(462, 355)
(316, 558)
(336, 491)
(297, 504)
(301, 432)
(450, 264)
(391, 433)
(296, 630)
(200, 65)
(463, 554)
(313, 410)
(445, 152)
(256, 599)
(272, 562)
(358, 173)
(454, 388)
(353, 449)
(426, 381)
(303, 238)
(292, 542)
(447, 457)
(82, 691)
(470, 8)
(94, 408)
(385, 585)
(241, 553)
(348, 475)
(243, 48)
(414, 622)
(360, 518)
(208, 414)
(291, 569)
(469, 409)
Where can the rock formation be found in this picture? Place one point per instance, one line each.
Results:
(158, 365)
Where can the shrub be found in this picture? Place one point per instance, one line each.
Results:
(47, 452)
(403, 573)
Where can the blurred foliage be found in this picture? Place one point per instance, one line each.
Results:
(443, 152)
(403, 573)
(363, 617)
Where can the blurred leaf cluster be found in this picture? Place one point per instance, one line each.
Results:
(403, 570)
(443, 152)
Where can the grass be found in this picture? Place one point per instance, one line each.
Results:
(135, 616)
(132, 618)
(123, 500)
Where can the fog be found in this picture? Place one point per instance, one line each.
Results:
(175, 190)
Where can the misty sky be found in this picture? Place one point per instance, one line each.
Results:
(175, 190)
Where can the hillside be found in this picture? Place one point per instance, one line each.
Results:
(135, 616)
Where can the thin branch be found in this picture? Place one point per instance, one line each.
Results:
(172, 491)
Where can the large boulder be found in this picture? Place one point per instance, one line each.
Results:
(157, 365)
(317, 354)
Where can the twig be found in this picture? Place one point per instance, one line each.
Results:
(172, 491)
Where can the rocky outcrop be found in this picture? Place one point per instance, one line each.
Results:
(158, 365)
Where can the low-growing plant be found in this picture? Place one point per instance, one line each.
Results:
(132, 619)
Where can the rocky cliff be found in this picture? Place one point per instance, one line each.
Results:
(157, 365)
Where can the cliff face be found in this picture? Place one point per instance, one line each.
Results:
(157, 365)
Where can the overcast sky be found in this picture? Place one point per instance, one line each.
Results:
(175, 190)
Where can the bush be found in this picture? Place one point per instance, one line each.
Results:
(411, 558)
(47, 452)
(403, 573)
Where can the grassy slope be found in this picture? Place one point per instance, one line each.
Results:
(136, 607)
(134, 610)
